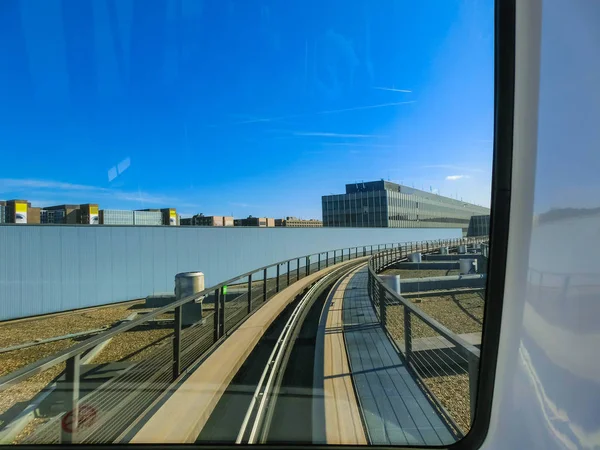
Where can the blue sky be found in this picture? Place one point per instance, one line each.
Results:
(243, 107)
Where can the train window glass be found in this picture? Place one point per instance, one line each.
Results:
(244, 221)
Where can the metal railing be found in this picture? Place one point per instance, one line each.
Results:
(117, 402)
(445, 364)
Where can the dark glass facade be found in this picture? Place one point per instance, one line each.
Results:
(479, 226)
(386, 204)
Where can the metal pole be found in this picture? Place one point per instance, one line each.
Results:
(319, 263)
(364, 251)
(177, 342)
(249, 293)
(277, 282)
(71, 398)
(473, 381)
(307, 264)
(217, 315)
(327, 259)
(334, 256)
(382, 309)
(222, 312)
(265, 285)
(407, 336)
(297, 269)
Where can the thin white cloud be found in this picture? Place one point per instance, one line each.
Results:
(352, 144)
(341, 135)
(392, 89)
(333, 111)
(453, 167)
(243, 205)
(6, 184)
(71, 192)
(456, 177)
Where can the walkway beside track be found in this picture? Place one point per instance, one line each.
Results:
(394, 408)
(343, 423)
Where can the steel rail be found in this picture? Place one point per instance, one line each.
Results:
(255, 414)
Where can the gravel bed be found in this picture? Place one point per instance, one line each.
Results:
(453, 393)
(461, 313)
(20, 332)
(13, 333)
(134, 345)
(26, 390)
(29, 428)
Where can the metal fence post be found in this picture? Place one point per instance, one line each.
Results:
(334, 255)
(307, 271)
(72, 398)
(277, 282)
(407, 338)
(217, 315)
(249, 293)
(222, 296)
(177, 342)
(297, 269)
(382, 306)
(265, 285)
(327, 259)
(288, 273)
(364, 251)
(319, 262)
(473, 381)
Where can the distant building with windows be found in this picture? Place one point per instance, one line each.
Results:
(116, 217)
(298, 223)
(255, 222)
(386, 204)
(88, 214)
(65, 213)
(51, 216)
(200, 220)
(147, 218)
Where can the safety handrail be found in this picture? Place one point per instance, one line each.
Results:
(45, 363)
(378, 290)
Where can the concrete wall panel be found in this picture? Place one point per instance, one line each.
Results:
(47, 268)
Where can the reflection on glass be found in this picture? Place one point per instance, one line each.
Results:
(243, 221)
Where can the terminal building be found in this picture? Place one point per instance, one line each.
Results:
(390, 205)
(298, 223)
